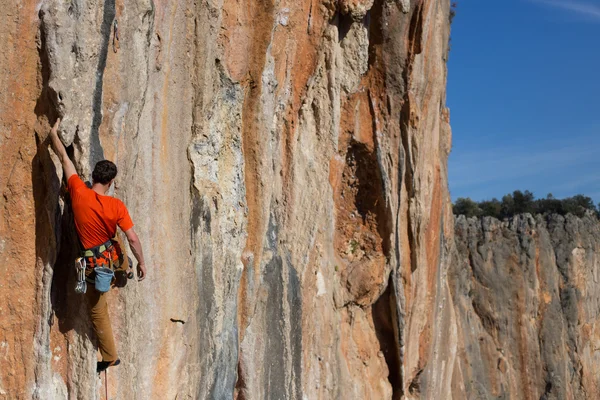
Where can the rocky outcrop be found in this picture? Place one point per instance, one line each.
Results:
(285, 165)
(528, 305)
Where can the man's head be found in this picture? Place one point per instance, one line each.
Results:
(104, 172)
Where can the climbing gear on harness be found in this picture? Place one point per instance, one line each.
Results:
(102, 256)
(94, 251)
(105, 265)
(123, 271)
(130, 272)
(103, 278)
(115, 43)
(81, 285)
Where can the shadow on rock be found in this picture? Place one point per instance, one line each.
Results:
(56, 242)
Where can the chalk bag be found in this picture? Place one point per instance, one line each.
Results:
(103, 278)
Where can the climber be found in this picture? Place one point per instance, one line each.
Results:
(96, 219)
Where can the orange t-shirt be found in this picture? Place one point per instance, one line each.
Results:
(96, 216)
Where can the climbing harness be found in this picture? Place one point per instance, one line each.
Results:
(81, 285)
(115, 42)
(104, 255)
(99, 263)
(105, 266)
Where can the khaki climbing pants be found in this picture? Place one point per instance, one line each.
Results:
(101, 322)
(99, 307)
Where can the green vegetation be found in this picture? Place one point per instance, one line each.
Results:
(451, 16)
(452, 12)
(353, 246)
(525, 202)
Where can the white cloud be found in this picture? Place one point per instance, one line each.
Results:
(589, 179)
(586, 9)
(561, 166)
(491, 165)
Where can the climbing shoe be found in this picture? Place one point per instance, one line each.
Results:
(103, 365)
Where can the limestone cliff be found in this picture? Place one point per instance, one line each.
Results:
(527, 299)
(285, 165)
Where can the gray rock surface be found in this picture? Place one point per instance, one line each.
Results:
(527, 300)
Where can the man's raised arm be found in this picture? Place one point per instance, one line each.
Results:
(61, 152)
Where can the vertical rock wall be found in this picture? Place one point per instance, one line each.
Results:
(285, 165)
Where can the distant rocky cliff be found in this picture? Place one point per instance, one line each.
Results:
(527, 299)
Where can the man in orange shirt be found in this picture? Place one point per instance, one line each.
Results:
(96, 219)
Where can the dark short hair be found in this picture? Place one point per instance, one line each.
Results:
(104, 172)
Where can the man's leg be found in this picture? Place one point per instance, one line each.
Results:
(101, 322)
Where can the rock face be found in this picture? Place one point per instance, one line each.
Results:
(527, 300)
(285, 165)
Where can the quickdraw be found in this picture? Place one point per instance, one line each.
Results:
(81, 285)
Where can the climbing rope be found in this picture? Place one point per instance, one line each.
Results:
(105, 385)
(115, 42)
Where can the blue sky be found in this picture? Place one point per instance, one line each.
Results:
(524, 98)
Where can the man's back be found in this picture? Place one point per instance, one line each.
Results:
(96, 216)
